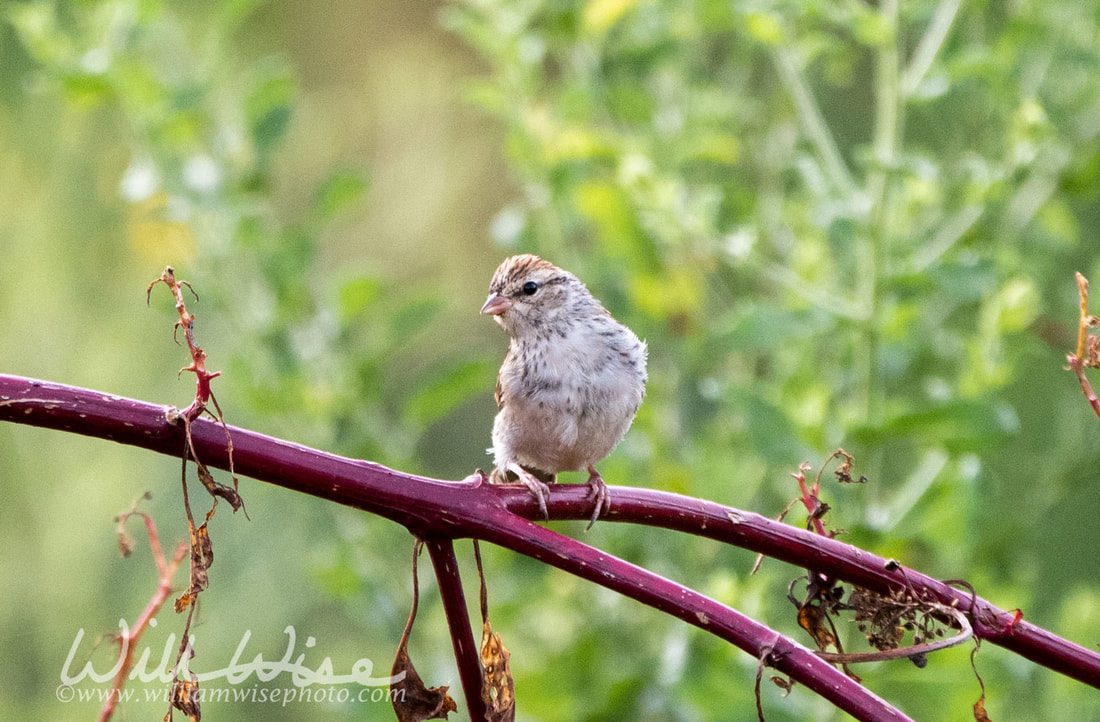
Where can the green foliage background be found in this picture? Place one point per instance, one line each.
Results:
(835, 223)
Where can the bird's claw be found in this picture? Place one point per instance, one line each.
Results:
(538, 489)
(602, 496)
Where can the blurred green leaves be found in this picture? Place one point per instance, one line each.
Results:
(710, 164)
(268, 109)
(356, 296)
(341, 191)
(440, 396)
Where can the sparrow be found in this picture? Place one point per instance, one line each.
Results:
(571, 382)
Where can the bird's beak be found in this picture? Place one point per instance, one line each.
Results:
(496, 304)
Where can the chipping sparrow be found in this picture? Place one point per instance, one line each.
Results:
(570, 384)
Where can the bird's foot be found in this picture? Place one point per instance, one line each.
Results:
(600, 493)
(538, 489)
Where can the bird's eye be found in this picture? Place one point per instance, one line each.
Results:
(529, 288)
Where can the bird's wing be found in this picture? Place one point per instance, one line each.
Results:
(499, 394)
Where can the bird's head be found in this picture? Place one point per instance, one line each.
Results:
(528, 294)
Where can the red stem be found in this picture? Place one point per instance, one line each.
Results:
(777, 651)
(467, 655)
(809, 498)
(432, 508)
(1078, 367)
(130, 638)
(1077, 361)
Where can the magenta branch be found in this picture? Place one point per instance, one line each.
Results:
(435, 509)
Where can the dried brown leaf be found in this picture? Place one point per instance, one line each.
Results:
(812, 619)
(783, 683)
(183, 601)
(202, 556)
(412, 700)
(979, 710)
(1092, 350)
(497, 686)
(217, 489)
(125, 542)
(185, 698)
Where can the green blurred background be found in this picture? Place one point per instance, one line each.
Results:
(834, 223)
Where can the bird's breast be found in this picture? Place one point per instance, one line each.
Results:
(567, 404)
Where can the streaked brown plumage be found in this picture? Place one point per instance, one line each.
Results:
(570, 384)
